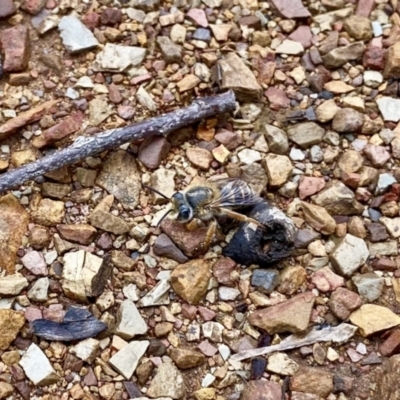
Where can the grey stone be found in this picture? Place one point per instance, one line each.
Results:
(265, 280)
(171, 52)
(129, 321)
(341, 55)
(76, 37)
(126, 360)
(164, 247)
(37, 367)
(38, 291)
(168, 382)
(306, 134)
(349, 254)
(276, 138)
(389, 108)
(369, 286)
(384, 181)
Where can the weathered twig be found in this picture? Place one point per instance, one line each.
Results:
(88, 146)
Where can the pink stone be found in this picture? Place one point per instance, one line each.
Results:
(198, 16)
(378, 155)
(364, 7)
(7, 8)
(16, 47)
(153, 150)
(32, 313)
(206, 314)
(277, 97)
(34, 262)
(354, 356)
(302, 35)
(207, 348)
(33, 6)
(126, 112)
(326, 280)
(291, 8)
(310, 185)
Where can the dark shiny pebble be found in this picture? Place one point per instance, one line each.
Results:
(258, 365)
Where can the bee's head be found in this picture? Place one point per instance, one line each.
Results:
(183, 212)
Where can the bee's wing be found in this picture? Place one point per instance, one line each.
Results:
(236, 193)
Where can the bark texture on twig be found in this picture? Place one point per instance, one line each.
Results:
(89, 146)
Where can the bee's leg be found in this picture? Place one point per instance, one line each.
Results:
(210, 233)
(193, 224)
(239, 217)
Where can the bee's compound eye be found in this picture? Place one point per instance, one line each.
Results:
(184, 212)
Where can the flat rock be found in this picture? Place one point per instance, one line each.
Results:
(338, 199)
(289, 316)
(347, 120)
(79, 233)
(281, 364)
(164, 247)
(371, 318)
(7, 8)
(126, 360)
(86, 350)
(13, 225)
(306, 134)
(318, 218)
(310, 185)
(200, 158)
(190, 280)
(37, 367)
(262, 390)
(343, 302)
(170, 51)
(153, 151)
(49, 212)
(291, 9)
(129, 321)
(190, 242)
(84, 275)
(34, 262)
(187, 358)
(11, 322)
(349, 254)
(290, 47)
(39, 290)
(389, 108)
(369, 285)
(117, 58)
(279, 169)
(326, 280)
(276, 138)
(15, 44)
(341, 55)
(12, 285)
(120, 176)
(168, 382)
(312, 380)
(108, 222)
(75, 36)
(238, 77)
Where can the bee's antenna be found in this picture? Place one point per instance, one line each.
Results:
(155, 191)
(163, 217)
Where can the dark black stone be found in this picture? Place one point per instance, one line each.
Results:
(78, 324)
(265, 280)
(156, 348)
(258, 365)
(263, 247)
(326, 95)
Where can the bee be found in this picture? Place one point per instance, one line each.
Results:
(200, 204)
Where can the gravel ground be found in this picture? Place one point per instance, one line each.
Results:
(315, 133)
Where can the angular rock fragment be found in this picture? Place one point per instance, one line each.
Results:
(389, 108)
(264, 247)
(238, 77)
(267, 389)
(278, 169)
(319, 218)
(306, 134)
(76, 37)
(12, 285)
(117, 58)
(164, 247)
(129, 321)
(291, 9)
(11, 323)
(13, 225)
(49, 212)
(187, 358)
(349, 254)
(289, 316)
(37, 367)
(190, 280)
(312, 380)
(341, 55)
(120, 177)
(125, 361)
(171, 52)
(371, 318)
(84, 275)
(15, 44)
(343, 302)
(78, 323)
(79, 233)
(388, 379)
(168, 382)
